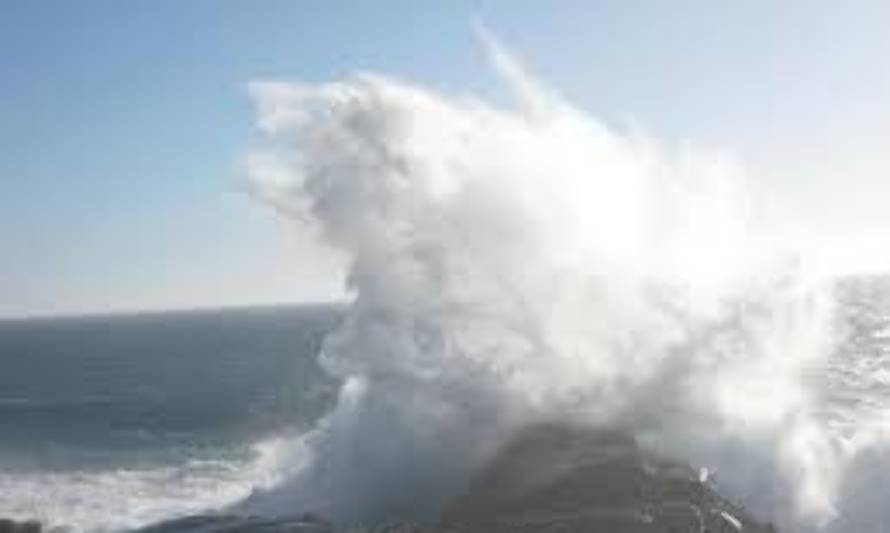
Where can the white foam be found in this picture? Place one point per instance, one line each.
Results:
(525, 263)
(99, 501)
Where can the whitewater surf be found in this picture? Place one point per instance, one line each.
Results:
(526, 264)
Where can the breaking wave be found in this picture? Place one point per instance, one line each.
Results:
(128, 498)
(517, 265)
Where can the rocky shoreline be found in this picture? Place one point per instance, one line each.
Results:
(548, 479)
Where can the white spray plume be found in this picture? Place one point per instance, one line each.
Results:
(517, 265)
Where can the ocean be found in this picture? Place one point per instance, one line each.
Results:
(113, 422)
(197, 421)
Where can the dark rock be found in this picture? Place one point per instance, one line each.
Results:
(548, 479)
(557, 478)
(311, 518)
(223, 523)
(12, 526)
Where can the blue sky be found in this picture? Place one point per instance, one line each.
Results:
(123, 123)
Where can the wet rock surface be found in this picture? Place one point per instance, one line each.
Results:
(556, 478)
(12, 526)
(548, 479)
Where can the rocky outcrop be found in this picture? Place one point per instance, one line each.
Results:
(558, 478)
(12, 526)
(548, 479)
(307, 523)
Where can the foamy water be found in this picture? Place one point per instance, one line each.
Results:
(113, 423)
(127, 498)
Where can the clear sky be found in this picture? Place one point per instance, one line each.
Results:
(123, 123)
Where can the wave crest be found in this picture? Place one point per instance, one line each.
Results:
(531, 263)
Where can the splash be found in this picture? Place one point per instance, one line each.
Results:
(126, 499)
(530, 263)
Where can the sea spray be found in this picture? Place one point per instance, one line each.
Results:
(525, 264)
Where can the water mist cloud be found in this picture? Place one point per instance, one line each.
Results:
(531, 263)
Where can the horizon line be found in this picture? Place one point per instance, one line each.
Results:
(134, 312)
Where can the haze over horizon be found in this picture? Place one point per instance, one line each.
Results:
(126, 126)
